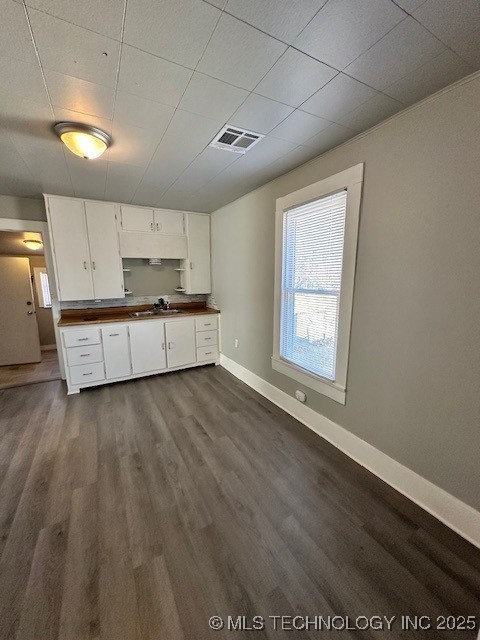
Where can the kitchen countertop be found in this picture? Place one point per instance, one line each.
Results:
(76, 317)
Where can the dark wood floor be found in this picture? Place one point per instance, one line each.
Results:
(136, 511)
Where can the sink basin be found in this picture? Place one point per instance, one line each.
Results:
(151, 312)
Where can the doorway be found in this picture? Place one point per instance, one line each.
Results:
(27, 334)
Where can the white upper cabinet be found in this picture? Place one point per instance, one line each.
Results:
(68, 230)
(106, 263)
(86, 249)
(136, 218)
(196, 277)
(169, 222)
(145, 220)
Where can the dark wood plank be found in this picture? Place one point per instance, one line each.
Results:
(138, 510)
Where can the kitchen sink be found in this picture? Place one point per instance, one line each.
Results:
(156, 312)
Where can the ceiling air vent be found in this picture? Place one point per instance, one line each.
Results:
(235, 139)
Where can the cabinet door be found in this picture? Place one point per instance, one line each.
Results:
(116, 352)
(197, 277)
(68, 231)
(169, 222)
(105, 258)
(181, 348)
(136, 218)
(147, 346)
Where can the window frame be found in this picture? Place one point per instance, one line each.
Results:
(352, 181)
(37, 277)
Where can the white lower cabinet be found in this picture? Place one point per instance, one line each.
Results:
(116, 351)
(147, 346)
(180, 337)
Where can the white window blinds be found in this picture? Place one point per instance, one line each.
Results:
(313, 238)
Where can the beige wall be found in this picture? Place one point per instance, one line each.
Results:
(22, 208)
(151, 280)
(414, 373)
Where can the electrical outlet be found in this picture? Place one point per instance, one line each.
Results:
(236, 343)
(300, 396)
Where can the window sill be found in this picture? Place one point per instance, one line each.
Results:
(329, 389)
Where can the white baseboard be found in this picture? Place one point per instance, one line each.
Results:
(48, 347)
(459, 516)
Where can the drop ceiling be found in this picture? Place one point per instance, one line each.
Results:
(164, 76)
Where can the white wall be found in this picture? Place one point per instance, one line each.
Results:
(414, 373)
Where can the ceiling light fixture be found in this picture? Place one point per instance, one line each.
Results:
(33, 244)
(82, 139)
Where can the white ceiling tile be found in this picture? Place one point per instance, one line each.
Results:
(66, 115)
(22, 79)
(282, 19)
(260, 114)
(79, 95)
(263, 154)
(15, 39)
(343, 29)
(18, 111)
(174, 29)
(409, 5)
(88, 176)
(299, 127)
(378, 108)
(122, 181)
(187, 135)
(212, 98)
(294, 77)
(457, 24)
(203, 169)
(429, 78)
(132, 145)
(217, 3)
(293, 159)
(134, 111)
(406, 47)
(74, 51)
(103, 17)
(150, 77)
(239, 54)
(340, 96)
(330, 137)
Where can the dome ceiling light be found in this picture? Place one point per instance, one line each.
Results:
(82, 139)
(35, 245)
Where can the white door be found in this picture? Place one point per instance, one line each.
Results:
(198, 278)
(136, 218)
(169, 222)
(147, 346)
(116, 351)
(19, 341)
(181, 347)
(70, 248)
(105, 258)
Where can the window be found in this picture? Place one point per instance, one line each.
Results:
(316, 249)
(42, 287)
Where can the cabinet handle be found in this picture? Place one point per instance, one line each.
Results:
(113, 334)
(85, 355)
(87, 374)
(158, 227)
(208, 353)
(81, 339)
(151, 226)
(207, 338)
(171, 345)
(207, 324)
(85, 265)
(93, 265)
(163, 346)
